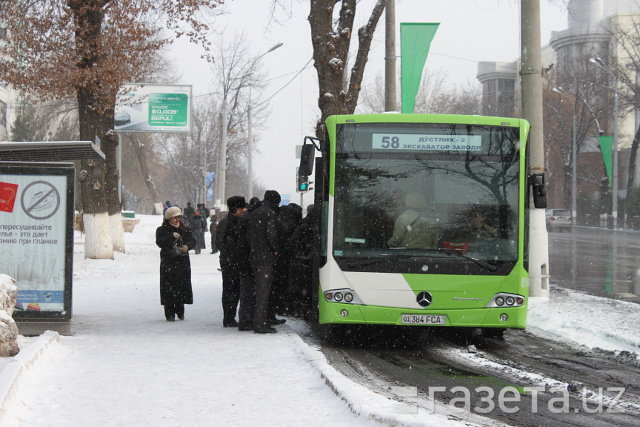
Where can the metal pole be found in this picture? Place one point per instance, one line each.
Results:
(574, 171)
(390, 57)
(249, 150)
(222, 158)
(614, 166)
(250, 127)
(531, 72)
(204, 172)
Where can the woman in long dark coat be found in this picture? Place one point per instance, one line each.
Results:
(175, 240)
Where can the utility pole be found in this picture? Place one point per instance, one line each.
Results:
(390, 57)
(249, 150)
(222, 158)
(531, 86)
(250, 125)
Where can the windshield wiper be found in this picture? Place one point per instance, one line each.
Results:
(477, 261)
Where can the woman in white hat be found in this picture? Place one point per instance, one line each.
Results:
(175, 240)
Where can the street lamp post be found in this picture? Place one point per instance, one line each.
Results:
(222, 154)
(614, 185)
(250, 127)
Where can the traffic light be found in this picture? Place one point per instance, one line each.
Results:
(303, 184)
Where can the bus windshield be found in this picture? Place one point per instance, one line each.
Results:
(416, 190)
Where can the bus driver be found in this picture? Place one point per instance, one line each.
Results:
(414, 228)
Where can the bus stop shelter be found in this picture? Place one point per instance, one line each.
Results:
(37, 211)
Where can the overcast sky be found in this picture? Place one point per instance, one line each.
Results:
(470, 31)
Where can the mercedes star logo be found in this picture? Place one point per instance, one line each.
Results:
(424, 299)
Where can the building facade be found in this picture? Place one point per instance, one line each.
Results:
(589, 88)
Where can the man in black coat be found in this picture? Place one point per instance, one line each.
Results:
(304, 245)
(231, 240)
(175, 240)
(262, 233)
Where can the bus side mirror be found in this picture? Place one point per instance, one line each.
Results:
(536, 181)
(307, 158)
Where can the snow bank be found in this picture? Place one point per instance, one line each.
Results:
(586, 320)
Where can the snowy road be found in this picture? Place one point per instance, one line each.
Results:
(553, 383)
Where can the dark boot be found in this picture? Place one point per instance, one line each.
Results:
(169, 314)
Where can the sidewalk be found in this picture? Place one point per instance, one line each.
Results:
(125, 365)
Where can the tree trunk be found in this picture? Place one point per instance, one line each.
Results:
(88, 16)
(144, 169)
(112, 184)
(331, 55)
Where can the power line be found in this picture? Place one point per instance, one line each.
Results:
(295, 73)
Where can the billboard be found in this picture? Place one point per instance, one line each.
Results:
(153, 108)
(36, 238)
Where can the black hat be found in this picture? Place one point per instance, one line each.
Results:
(272, 197)
(235, 202)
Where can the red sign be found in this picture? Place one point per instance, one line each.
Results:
(7, 196)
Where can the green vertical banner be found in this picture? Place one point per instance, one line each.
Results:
(415, 41)
(606, 142)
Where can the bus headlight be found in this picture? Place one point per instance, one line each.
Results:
(345, 296)
(504, 299)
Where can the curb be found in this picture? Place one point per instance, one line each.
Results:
(363, 401)
(10, 374)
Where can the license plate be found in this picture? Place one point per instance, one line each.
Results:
(424, 319)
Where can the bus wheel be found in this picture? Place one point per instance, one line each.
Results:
(493, 332)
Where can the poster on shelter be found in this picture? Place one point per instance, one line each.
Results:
(33, 230)
(7, 196)
(153, 108)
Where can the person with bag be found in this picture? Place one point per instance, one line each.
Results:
(175, 240)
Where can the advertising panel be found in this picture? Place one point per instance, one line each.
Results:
(36, 238)
(153, 108)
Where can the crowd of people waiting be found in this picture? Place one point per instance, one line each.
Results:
(266, 252)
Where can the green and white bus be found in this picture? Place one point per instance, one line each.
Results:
(423, 220)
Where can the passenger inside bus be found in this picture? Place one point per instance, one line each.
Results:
(479, 227)
(414, 228)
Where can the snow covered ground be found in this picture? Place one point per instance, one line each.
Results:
(124, 364)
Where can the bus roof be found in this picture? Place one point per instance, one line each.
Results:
(428, 118)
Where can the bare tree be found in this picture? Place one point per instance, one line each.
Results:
(53, 120)
(238, 81)
(435, 96)
(576, 95)
(625, 67)
(331, 31)
(87, 49)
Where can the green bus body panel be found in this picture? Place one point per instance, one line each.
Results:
(461, 298)
(468, 318)
(466, 310)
